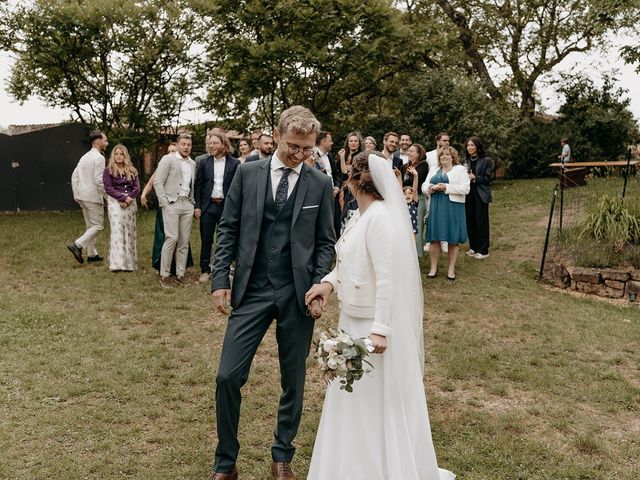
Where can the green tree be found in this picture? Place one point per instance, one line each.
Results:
(439, 101)
(596, 119)
(530, 38)
(123, 65)
(331, 56)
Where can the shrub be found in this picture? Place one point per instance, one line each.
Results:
(611, 222)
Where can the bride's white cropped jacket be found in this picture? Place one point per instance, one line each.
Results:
(361, 277)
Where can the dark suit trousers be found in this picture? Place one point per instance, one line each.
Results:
(477, 213)
(208, 222)
(246, 327)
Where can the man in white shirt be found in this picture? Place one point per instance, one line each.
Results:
(214, 173)
(403, 152)
(88, 191)
(174, 184)
(442, 140)
(390, 142)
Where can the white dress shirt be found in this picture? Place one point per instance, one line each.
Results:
(276, 175)
(324, 162)
(185, 170)
(218, 177)
(432, 160)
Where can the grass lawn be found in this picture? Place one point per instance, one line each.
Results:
(108, 376)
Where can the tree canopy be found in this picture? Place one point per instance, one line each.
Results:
(121, 64)
(467, 66)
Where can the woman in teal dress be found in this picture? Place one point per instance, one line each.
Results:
(446, 187)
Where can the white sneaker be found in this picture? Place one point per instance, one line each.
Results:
(204, 278)
(444, 246)
(471, 253)
(426, 247)
(480, 256)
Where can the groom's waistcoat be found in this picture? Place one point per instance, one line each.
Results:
(272, 262)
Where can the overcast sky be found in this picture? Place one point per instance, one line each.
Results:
(34, 111)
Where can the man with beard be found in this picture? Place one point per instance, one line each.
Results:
(265, 148)
(88, 191)
(390, 142)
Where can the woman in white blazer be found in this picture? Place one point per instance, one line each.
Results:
(446, 187)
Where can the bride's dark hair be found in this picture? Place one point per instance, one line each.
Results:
(360, 175)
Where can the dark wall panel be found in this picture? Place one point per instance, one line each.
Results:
(47, 159)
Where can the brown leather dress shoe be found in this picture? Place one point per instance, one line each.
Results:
(282, 471)
(224, 476)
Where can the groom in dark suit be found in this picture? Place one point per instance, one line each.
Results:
(277, 225)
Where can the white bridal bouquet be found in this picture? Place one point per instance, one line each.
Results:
(340, 355)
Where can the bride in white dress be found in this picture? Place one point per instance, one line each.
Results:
(381, 430)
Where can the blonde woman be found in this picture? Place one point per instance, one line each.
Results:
(122, 186)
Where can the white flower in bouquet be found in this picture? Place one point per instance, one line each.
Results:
(330, 345)
(340, 355)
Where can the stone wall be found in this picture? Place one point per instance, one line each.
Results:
(605, 282)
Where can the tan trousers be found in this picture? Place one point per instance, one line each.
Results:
(93, 219)
(177, 217)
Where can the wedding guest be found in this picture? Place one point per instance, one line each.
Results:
(158, 234)
(88, 192)
(122, 186)
(477, 206)
(214, 173)
(327, 164)
(417, 162)
(244, 149)
(403, 152)
(352, 146)
(565, 156)
(390, 142)
(174, 182)
(442, 140)
(370, 143)
(265, 149)
(446, 187)
(411, 197)
(255, 136)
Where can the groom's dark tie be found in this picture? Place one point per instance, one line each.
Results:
(283, 188)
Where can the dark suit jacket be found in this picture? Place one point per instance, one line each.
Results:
(397, 161)
(203, 185)
(252, 158)
(484, 174)
(423, 171)
(312, 235)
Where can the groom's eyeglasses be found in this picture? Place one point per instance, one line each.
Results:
(295, 149)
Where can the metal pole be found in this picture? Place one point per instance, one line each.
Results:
(546, 238)
(563, 179)
(626, 173)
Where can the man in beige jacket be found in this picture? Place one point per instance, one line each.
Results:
(174, 184)
(88, 191)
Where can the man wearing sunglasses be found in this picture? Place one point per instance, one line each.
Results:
(277, 225)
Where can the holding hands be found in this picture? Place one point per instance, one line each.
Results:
(319, 292)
